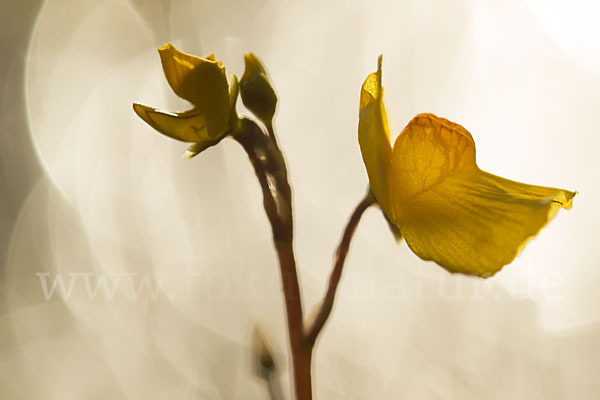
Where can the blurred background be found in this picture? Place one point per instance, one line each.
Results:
(129, 272)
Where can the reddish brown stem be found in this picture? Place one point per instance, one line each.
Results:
(312, 330)
(271, 131)
(270, 169)
(301, 353)
(271, 172)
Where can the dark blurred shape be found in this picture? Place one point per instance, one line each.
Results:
(264, 364)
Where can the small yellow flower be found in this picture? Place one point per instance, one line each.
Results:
(202, 82)
(446, 208)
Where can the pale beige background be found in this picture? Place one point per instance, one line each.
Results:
(91, 193)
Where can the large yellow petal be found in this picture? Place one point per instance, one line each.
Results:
(451, 212)
(201, 81)
(374, 137)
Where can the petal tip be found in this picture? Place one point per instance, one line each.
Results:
(565, 199)
(188, 154)
(379, 71)
(253, 66)
(166, 47)
(141, 110)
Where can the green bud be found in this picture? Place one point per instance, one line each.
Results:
(257, 92)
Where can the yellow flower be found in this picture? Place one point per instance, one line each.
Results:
(446, 208)
(202, 82)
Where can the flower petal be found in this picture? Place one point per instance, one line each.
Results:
(188, 126)
(427, 151)
(374, 137)
(201, 81)
(199, 147)
(451, 212)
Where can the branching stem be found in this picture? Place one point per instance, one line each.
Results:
(312, 331)
(269, 166)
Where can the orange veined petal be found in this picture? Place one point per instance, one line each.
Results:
(427, 151)
(451, 212)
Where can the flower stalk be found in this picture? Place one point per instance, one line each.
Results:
(269, 167)
(315, 327)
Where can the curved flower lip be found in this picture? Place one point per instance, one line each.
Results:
(188, 126)
(447, 209)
